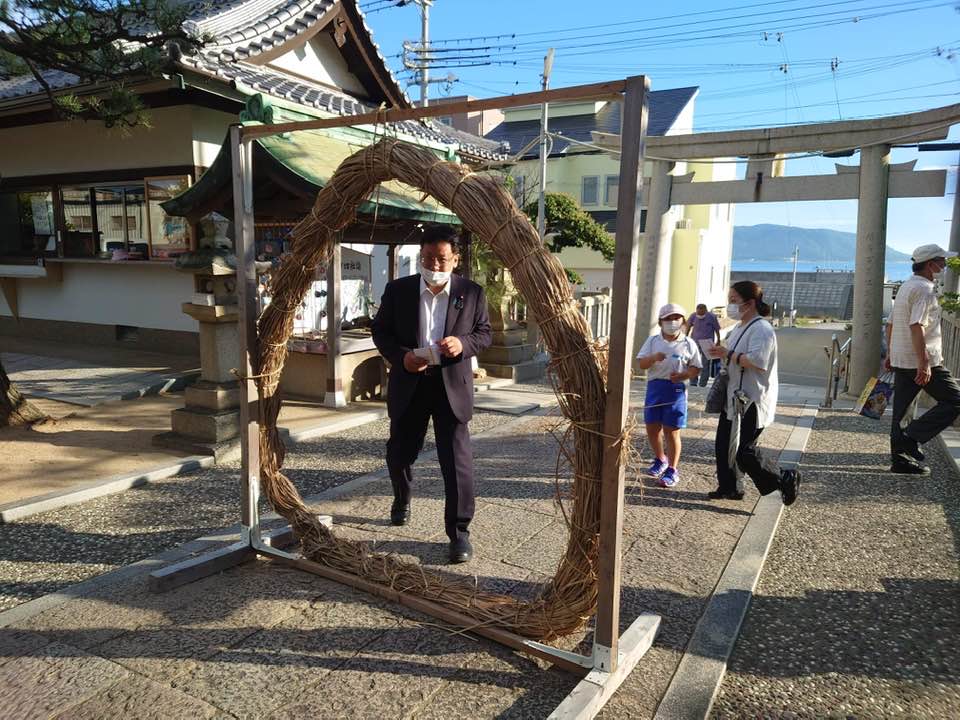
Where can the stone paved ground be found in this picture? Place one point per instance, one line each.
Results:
(261, 641)
(857, 613)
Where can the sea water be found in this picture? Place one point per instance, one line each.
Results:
(895, 270)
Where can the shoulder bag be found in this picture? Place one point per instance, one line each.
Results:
(717, 396)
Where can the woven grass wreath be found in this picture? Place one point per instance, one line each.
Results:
(564, 604)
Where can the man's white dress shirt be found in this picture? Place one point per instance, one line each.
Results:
(433, 314)
(916, 303)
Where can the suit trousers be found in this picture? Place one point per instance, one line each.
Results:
(943, 388)
(454, 451)
(750, 459)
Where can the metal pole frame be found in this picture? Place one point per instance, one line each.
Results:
(614, 655)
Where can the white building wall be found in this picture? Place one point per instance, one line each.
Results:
(320, 60)
(209, 132)
(145, 294)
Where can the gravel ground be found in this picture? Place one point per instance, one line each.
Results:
(46, 552)
(857, 613)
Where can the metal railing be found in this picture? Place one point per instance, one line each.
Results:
(838, 369)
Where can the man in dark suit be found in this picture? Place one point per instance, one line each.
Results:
(428, 327)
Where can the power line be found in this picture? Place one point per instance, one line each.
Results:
(684, 38)
(581, 28)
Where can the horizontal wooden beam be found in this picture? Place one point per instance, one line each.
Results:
(845, 186)
(813, 137)
(504, 637)
(595, 91)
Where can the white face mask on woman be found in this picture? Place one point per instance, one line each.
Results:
(671, 327)
(733, 311)
(434, 277)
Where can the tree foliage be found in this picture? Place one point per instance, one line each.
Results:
(107, 43)
(569, 226)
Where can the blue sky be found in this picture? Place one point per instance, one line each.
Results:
(892, 56)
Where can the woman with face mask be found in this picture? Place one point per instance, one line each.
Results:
(671, 359)
(750, 356)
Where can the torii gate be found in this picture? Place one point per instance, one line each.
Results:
(872, 184)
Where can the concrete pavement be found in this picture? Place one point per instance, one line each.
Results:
(262, 641)
(857, 613)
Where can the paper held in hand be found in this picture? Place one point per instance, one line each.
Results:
(431, 354)
(706, 346)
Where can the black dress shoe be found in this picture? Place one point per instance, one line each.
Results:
(916, 453)
(723, 495)
(399, 513)
(789, 486)
(905, 467)
(460, 550)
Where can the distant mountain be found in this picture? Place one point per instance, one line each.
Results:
(776, 242)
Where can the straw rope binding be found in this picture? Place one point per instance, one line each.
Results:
(564, 604)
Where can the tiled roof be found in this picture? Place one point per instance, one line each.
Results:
(665, 107)
(323, 98)
(814, 294)
(26, 85)
(244, 28)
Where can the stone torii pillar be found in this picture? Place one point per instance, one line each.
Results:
(869, 267)
(654, 280)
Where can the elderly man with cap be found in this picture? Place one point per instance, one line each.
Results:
(671, 359)
(915, 357)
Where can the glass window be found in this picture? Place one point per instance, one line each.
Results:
(100, 221)
(611, 190)
(26, 223)
(79, 222)
(589, 194)
(169, 235)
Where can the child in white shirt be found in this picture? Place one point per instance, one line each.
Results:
(670, 359)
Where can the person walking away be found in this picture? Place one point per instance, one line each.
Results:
(750, 356)
(915, 357)
(670, 359)
(704, 326)
(428, 327)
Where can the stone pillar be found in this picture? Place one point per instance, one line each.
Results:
(871, 255)
(654, 273)
(333, 397)
(209, 422)
(951, 280)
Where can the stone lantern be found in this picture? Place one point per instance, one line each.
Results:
(209, 423)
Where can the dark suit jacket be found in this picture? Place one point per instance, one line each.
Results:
(396, 329)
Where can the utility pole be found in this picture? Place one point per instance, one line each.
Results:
(533, 329)
(793, 284)
(423, 66)
(544, 142)
(418, 58)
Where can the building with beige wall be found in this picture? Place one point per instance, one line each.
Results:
(86, 250)
(703, 235)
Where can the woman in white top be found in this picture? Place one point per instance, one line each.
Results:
(750, 354)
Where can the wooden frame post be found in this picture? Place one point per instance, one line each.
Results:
(246, 251)
(622, 328)
(333, 397)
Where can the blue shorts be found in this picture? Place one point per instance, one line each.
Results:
(666, 403)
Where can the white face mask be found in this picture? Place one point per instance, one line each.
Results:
(733, 311)
(671, 327)
(434, 277)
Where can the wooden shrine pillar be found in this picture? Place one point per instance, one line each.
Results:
(333, 397)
